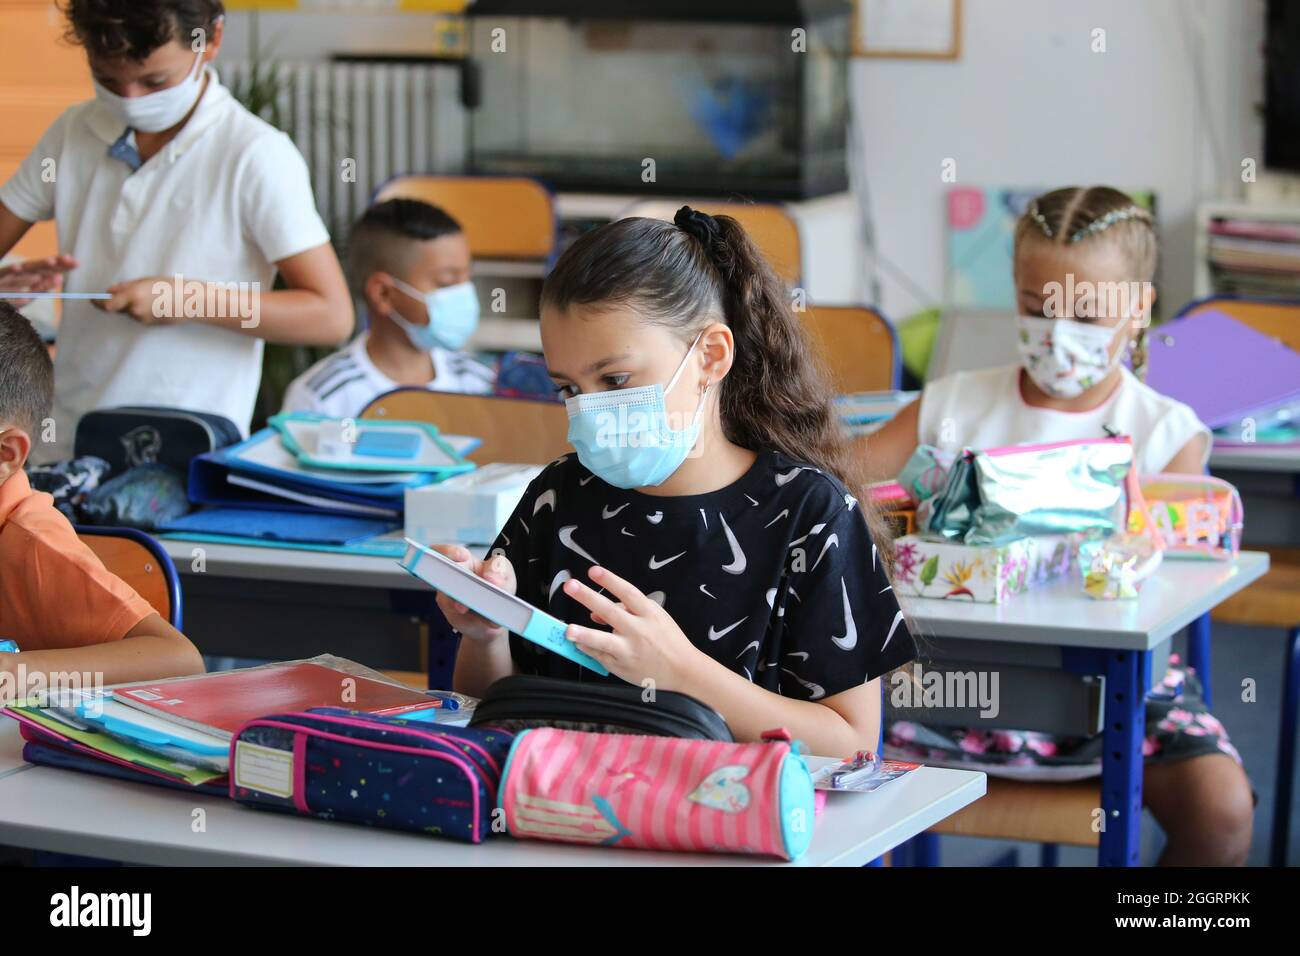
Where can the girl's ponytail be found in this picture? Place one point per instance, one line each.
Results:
(776, 395)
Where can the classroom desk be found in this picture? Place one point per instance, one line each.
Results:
(1109, 638)
(69, 812)
(1259, 458)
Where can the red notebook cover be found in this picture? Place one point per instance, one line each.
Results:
(226, 701)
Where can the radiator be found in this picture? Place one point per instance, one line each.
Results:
(388, 118)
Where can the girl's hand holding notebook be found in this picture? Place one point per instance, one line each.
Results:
(644, 641)
(497, 570)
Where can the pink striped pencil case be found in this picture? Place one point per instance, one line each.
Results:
(659, 793)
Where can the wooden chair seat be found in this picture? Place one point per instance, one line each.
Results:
(857, 345)
(1031, 811)
(1273, 600)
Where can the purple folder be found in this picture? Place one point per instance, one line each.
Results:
(1222, 368)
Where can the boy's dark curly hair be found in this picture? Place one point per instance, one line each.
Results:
(109, 29)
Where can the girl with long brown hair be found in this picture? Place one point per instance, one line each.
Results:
(704, 538)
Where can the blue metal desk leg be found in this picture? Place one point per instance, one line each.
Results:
(1127, 677)
(1198, 654)
(1286, 752)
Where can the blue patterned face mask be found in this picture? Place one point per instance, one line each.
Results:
(453, 316)
(624, 436)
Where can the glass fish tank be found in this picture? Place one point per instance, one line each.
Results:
(740, 97)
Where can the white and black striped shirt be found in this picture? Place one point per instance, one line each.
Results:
(343, 384)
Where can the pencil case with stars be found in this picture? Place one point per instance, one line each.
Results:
(338, 764)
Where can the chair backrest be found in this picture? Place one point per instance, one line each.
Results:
(504, 217)
(858, 345)
(1277, 319)
(141, 562)
(770, 227)
(516, 430)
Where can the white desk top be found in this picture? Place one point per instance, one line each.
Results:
(1258, 458)
(69, 812)
(1061, 614)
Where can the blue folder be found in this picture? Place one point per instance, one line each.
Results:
(281, 526)
(209, 484)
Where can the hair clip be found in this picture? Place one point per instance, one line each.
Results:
(1103, 223)
(1039, 218)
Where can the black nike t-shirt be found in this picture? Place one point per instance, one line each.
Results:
(774, 576)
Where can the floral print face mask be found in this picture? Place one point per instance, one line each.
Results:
(1065, 358)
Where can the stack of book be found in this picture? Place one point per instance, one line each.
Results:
(178, 732)
(864, 412)
(1255, 258)
(274, 489)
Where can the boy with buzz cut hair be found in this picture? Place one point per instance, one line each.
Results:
(63, 608)
(409, 264)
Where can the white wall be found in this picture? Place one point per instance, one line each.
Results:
(1170, 105)
(1029, 104)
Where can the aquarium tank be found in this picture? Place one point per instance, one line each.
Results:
(746, 97)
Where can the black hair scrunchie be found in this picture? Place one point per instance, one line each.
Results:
(700, 225)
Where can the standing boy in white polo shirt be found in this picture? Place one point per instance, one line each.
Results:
(170, 195)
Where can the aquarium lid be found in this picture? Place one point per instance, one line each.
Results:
(724, 11)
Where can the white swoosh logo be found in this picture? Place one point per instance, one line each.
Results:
(787, 477)
(752, 501)
(714, 635)
(850, 638)
(521, 521)
(628, 533)
(559, 579)
(505, 537)
(751, 646)
(738, 562)
(655, 564)
(544, 500)
(705, 588)
(566, 539)
(850, 501)
(657, 597)
(705, 517)
(771, 596)
(655, 518)
(784, 513)
(583, 481)
(898, 619)
(832, 540)
(818, 692)
(802, 655)
(606, 513)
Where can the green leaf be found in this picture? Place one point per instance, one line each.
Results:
(929, 570)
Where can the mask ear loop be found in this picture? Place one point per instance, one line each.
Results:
(699, 409)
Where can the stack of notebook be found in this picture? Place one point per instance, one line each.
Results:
(1255, 257)
(178, 732)
(274, 489)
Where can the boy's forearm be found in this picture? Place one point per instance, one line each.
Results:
(139, 658)
(286, 316)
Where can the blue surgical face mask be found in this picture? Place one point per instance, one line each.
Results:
(453, 316)
(624, 436)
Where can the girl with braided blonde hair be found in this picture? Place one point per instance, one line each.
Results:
(1083, 264)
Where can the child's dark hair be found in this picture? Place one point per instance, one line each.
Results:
(380, 241)
(699, 269)
(26, 373)
(1095, 214)
(109, 29)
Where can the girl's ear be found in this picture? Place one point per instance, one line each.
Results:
(717, 350)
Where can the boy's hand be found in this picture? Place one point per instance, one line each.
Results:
(34, 275)
(138, 300)
(645, 643)
(498, 570)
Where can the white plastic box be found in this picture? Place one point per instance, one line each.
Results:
(469, 508)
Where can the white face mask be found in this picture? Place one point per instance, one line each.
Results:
(1065, 358)
(155, 112)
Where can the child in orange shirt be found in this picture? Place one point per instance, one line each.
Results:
(64, 609)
